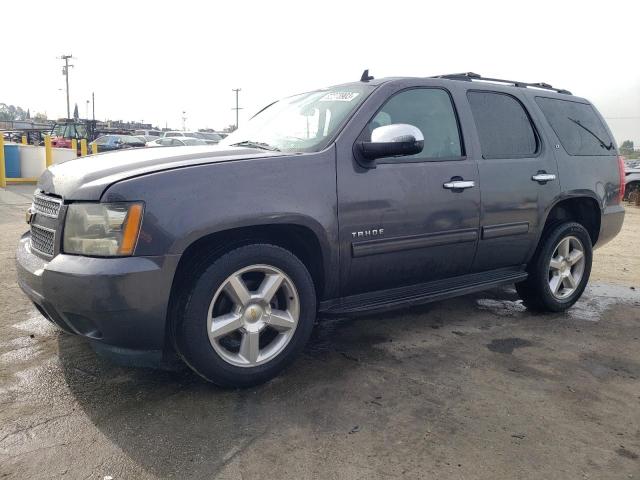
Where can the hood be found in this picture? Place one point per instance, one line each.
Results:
(87, 178)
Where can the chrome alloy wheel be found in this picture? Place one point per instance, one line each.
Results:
(566, 267)
(253, 315)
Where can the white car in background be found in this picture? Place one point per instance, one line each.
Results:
(209, 137)
(632, 177)
(175, 142)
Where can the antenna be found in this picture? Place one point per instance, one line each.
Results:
(365, 76)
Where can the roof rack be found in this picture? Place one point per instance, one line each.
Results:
(470, 77)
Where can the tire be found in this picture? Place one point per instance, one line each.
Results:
(631, 188)
(277, 325)
(567, 279)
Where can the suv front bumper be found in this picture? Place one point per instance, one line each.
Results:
(118, 303)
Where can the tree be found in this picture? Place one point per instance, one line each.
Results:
(11, 112)
(627, 147)
(229, 129)
(75, 112)
(40, 117)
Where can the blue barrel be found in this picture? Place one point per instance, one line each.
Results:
(12, 161)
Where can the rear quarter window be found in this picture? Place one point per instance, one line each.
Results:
(578, 127)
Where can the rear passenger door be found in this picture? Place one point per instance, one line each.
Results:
(518, 178)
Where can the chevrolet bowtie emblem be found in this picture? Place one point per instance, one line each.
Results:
(30, 216)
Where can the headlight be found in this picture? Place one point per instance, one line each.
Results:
(102, 229)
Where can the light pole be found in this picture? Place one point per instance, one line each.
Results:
(237, 108)
(65, 72)
(184, 120)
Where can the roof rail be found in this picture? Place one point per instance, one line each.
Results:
(470, 77)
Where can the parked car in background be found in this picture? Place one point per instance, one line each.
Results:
(632, 177)
(146, 138)
(148, 133)
(176, 133)
(117, 142)
(209, 137)
(175, 142)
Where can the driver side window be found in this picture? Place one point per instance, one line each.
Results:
(429, 109)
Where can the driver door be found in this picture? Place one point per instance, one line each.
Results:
(399, 223)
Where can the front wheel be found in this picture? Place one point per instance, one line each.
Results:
(559, 272)
(246, 315)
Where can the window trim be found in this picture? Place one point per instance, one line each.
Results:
(536, 134)
(409, 159)
(597, 115)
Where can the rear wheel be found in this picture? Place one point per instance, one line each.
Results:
(559, 272)
(246, 315)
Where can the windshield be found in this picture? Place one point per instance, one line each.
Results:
(302, 123)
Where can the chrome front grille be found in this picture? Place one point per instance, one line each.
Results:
(44, 223)
(43, 239)
(47, 206)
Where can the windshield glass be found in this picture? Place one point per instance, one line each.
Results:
(302, 123)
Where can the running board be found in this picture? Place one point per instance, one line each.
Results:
(420, 293)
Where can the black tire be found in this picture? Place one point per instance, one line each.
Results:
(190, 323)
(535, 291)
(631, 188)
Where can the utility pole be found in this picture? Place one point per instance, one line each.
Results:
(237, 109)
(184, 120)
(65, 72)
(93, 105)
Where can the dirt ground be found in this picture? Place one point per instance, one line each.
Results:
(470, 388)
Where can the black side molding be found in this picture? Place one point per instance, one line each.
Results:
(504, 230)
(397, 244)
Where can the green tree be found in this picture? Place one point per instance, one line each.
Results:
(11, 112)
(627, 147)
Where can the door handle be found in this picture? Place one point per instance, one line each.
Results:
(459, 184)
(543, 177)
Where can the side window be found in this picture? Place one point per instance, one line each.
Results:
(577, 126)
(503, 125)
(429, 109)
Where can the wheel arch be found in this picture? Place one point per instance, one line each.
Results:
(300, 239)
(581, 207)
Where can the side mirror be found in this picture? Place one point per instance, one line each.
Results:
(394, 140)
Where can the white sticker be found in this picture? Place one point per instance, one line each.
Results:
(339, 96)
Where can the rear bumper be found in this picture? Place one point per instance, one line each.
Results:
(610, 224)
(118, 303)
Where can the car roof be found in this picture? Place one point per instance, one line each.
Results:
(473, 80)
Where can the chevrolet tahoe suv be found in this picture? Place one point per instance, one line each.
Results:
(371, 195)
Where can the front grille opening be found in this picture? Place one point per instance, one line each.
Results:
(42, 240)
(49, 206)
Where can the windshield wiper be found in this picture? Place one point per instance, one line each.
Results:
(260, 145)
(602, 144)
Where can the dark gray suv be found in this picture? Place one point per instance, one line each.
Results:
(370, 195)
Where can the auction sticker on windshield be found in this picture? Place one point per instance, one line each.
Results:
(339, 96)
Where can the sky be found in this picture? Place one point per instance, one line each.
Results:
(153, 60)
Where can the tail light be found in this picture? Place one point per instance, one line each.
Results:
(622, 178)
